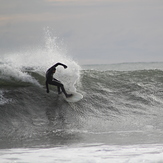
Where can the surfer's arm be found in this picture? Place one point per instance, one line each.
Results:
(47, 87)
(61, 64)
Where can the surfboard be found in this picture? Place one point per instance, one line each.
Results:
(74, 98)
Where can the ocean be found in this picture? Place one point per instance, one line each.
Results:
(119, 119)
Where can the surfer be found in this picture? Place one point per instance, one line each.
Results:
(52, 81)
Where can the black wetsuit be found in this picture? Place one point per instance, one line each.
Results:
(52, 81)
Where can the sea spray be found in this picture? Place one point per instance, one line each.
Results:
(18, 64)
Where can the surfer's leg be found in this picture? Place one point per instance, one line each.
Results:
(63, 90)
(60, 86)
(59, 90)
(57, 83)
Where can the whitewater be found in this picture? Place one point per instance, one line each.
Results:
(119, 119)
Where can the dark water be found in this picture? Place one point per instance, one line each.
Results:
(119, 107)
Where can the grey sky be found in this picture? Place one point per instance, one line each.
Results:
(97, 31)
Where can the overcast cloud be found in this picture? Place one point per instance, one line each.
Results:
(97, 31)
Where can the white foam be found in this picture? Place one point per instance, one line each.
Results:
(89, 153)
(9, 70)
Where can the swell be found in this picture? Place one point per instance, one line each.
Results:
(101, 89)
(131, 86)
(118, 99)
(112, 100)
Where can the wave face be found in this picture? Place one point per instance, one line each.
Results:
(115, 102)
(124, 100)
